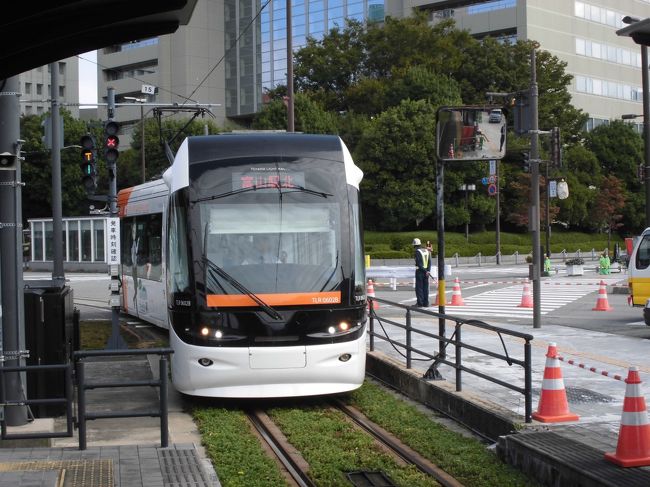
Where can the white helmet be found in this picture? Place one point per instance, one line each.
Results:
(416, 241)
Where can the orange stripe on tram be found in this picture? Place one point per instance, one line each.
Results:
(284, 299)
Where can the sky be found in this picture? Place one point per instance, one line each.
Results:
(88, 77)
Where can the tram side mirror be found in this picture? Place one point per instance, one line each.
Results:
(471, 133)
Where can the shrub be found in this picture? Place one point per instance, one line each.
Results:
(575, 261)
(529, 259)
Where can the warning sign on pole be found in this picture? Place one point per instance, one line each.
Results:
(492, 189)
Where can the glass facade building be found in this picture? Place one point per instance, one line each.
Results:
(84, 243)
(258, 61)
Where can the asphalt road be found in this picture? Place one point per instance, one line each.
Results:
(496, 292)
(491, 293)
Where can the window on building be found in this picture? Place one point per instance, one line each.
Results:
(62, 91)
(37, 239)
(28, 88)
(98, 230)
(73, 241)
(39, 89)
(29, 110)
(62, 69)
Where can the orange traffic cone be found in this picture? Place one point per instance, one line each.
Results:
(633, 448)
(526, 297)
(371, 294)
(456, 297)
(553, 406)
(602, 304)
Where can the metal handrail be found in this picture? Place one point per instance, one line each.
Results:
(82, 386)
(67, 399)
(456, 341)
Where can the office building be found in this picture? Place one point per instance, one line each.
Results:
(606, 68)
(35, 86)
(229, 53)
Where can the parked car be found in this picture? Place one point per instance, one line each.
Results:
(495, 116)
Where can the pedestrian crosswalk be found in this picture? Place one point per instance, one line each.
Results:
(504, 302)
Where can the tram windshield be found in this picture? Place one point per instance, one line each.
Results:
(275, 227)
(274, 248)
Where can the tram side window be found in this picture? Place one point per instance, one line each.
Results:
(147, 249)
(643, 254)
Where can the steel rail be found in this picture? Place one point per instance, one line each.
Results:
(397, 447)
(297, 473)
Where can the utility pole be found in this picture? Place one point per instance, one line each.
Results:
(498, 211)
(290, 110)
(58, 275)
(115, 341)
(533, 222)
(12, 339)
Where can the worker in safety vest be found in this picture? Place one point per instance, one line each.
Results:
(422, 269)
(604, 263)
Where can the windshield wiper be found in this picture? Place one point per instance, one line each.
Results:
(241, 288)
(279, 187)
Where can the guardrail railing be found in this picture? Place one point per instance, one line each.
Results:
(83, 386)
(455, 341)
(67, 399)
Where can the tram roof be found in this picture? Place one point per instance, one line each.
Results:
(254, 144)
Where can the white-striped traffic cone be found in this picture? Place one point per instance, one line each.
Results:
(371, 294)
(456, 296)
(602, 304)
(633, 448)
(553, 406)
(526, 297)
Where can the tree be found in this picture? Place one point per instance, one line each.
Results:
(37, 168)
(610, 199)
(309, 116)
(396, 153)
(619, 150)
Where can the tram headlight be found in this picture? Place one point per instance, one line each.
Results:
(342, 328)
(205, 331)
(218, 334)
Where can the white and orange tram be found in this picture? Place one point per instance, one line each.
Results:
(250, 251)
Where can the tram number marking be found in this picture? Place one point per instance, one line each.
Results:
(326, 300)
(183, 302)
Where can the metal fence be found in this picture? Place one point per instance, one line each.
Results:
(83, 386)
(456, 342)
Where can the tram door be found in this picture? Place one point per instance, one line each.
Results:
(143, 293)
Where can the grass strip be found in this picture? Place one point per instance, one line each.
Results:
(467, 459)
(235, 451)
(333, 446)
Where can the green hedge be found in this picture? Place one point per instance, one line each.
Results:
(388, 245)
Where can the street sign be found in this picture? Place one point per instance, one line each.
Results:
(492, 189)
(552, 188)
(493, 167)
(492, 179)
(484, 181)
(148, 89)
(113, 240)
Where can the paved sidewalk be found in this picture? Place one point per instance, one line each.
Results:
(121, 452)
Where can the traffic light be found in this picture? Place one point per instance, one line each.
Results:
(87, 165)
(111, 141)
(556, 147)
(526, 161)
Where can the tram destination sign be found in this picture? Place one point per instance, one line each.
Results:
(270, 177)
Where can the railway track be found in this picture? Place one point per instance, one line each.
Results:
(297, 468)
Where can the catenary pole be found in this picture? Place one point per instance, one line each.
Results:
(11, 288)
(58, 276)
(290, 94)
(534, 188)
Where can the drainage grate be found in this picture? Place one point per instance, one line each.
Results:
(182, 468)
(369, 479)
(578, 395)
(75, 473)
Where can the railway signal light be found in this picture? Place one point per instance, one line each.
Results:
(87, 165)
(111, 141)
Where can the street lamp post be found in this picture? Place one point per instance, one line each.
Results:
(467, 188)
(639, 30)
(141, 101)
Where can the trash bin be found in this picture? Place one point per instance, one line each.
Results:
(49, 338)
